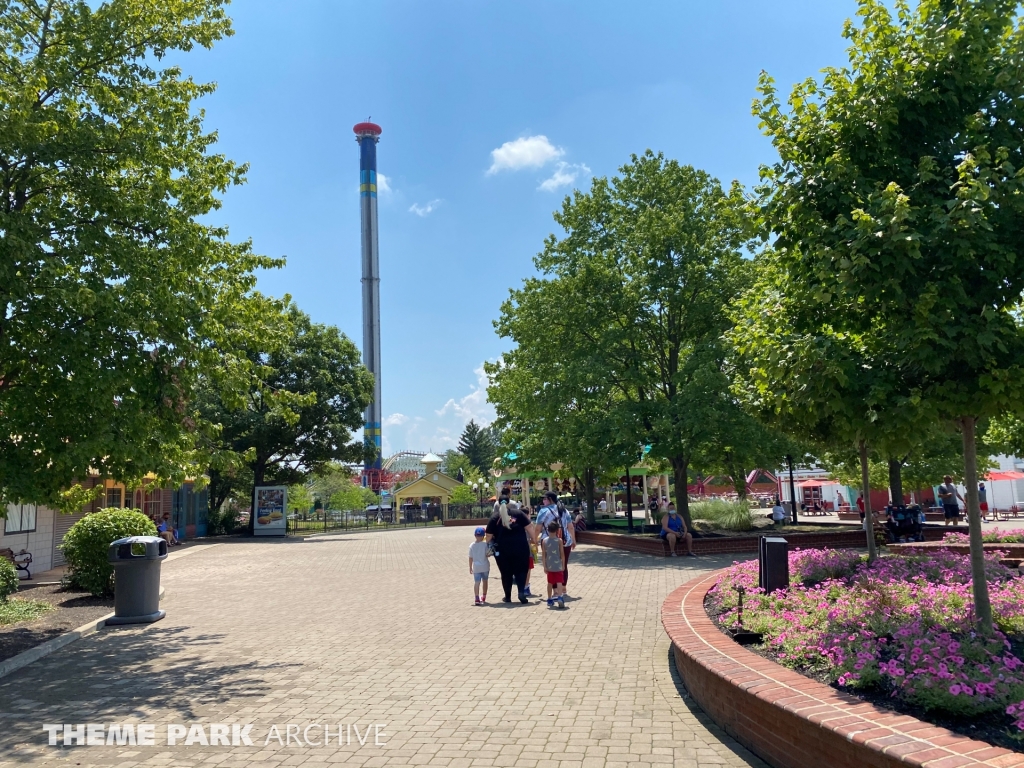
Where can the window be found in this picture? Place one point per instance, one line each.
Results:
(21, 518)
(114, 497)
(153, 504)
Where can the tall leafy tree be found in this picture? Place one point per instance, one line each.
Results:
(114, 289)
(899, 193)
(649, 262)
(475, 444)
(299, 413)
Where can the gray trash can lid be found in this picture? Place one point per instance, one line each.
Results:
(153, 547)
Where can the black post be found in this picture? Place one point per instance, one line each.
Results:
(629, 502)
(792, 488)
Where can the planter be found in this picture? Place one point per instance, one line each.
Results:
(792, 721)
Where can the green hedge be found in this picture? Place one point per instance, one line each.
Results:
(8, 579)
(87, 544)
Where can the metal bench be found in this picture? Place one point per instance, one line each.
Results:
(21, 560)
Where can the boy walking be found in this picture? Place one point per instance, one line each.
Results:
(554, 565)
(479, 566)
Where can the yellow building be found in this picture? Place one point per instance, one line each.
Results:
(435, 486)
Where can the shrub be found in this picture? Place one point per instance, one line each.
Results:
(730, 515)
(224, 521)
(87, 544)
(8, 579)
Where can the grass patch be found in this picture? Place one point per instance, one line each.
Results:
(14, 610)
(727, 515)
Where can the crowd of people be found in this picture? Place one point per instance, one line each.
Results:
(517, 541)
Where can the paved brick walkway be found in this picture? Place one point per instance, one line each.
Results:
(380, 628)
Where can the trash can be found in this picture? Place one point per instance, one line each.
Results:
(773, 564)
(136, 561)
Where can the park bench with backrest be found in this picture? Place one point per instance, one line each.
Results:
(21, 560)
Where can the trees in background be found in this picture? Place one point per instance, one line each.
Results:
(896, 204)
(477, 446)
(115, 292)
(304, 401)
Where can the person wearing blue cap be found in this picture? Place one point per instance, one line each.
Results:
(479, 566)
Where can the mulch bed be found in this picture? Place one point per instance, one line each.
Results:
(74, 609)
(996, 729)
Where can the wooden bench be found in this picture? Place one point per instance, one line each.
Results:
(20, 560)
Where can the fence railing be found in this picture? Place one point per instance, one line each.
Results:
(300, 525)
(320, 522)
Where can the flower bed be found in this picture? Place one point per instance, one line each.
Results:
(898, 631)
(995, 536)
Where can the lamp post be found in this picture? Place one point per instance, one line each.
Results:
(792, 487)
(629, 502)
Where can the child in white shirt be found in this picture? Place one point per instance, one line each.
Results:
(479, 566)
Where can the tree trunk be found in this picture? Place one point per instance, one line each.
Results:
(982, 606)
(738, 477)
(896, 481)
(865, 483)
(589, 475)
(257, 474)
(679, 474)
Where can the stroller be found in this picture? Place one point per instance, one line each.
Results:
(904, 524)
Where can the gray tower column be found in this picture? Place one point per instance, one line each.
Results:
(367, 135)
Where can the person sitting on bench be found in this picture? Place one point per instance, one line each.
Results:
(673, 529)
(166, 531)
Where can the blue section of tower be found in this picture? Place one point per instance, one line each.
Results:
(371, 298)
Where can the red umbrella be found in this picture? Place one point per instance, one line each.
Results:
(1010, 475)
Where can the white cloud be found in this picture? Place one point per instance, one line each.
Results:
(395, 420)
(564, 175)
(529, 152)
(424, 210)
(382, 184)
(474, 405)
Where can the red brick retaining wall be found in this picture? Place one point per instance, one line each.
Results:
(652, 545)
(470, 521)
(792, 721)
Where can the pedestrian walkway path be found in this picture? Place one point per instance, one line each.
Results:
(375, 628)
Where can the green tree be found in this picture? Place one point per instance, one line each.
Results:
(633, 301)
(348, 496)
(329, 479)
(299, 497)
(549, 414)
(898, 190)
(115, 290)
(462, 494)
(301, 408)
(475, 444)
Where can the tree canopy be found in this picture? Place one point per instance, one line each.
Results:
(896, 203)
(115, 291)
(302, 406)
(628, 317)
(477, 445)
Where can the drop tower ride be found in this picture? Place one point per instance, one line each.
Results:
(367, 136)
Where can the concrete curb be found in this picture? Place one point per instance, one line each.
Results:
(25, 658)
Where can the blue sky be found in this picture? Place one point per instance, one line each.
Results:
(491, 112)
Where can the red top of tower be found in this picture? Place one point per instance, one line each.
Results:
(366, 129)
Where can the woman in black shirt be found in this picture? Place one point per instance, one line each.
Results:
(509, 530)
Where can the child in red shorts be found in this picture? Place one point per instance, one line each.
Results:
(553, 556)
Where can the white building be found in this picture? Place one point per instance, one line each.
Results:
(37, 530)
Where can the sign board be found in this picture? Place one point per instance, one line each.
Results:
(271, 510)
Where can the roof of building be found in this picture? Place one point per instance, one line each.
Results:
(431, 458)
